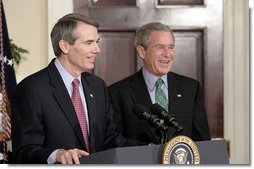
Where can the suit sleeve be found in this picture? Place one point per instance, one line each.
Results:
(27, 128)
(200, 122)
(117, 115)
(115, 139)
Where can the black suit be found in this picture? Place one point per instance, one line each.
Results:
(44, 119)
(185, 101)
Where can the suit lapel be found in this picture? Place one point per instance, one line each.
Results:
(63, 99)
(140, 93)
(173, 91)
(141, 96)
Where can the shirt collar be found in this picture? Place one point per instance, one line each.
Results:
(151, 79)
(66, 76)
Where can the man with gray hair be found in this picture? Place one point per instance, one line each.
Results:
(63, 112)
(155, 83)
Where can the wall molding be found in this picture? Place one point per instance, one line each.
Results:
(56, 10)
(236, 79)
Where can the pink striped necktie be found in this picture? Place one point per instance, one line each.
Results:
(76, 100)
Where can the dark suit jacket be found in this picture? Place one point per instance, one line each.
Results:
(189, 107)
(44, 119)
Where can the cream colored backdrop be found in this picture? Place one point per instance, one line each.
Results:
(27, 25)
(30, 21)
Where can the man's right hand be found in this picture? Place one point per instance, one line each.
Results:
(70, 156)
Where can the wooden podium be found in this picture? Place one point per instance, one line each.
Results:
(211, 152)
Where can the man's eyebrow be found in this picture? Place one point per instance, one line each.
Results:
(91, 40)
(164, 45)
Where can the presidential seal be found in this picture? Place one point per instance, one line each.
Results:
(180, 150)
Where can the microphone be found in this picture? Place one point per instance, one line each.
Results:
(168, 117)
(153, 120)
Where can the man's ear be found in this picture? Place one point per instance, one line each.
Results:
(64, 46)
(141, 51)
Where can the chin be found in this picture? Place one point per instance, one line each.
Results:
(90, 67)
(165, 71)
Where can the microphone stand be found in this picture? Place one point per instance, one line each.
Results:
(178, 132)
(164, 137)
(164, 134)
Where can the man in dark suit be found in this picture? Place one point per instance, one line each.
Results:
(45, 127)
(155, 45)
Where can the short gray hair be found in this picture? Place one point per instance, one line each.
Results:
(65, 29)
(143, 33)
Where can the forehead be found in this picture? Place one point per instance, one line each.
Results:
(86, 29)
(161, 36)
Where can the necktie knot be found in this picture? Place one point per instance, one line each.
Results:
(75, 84)
(159, 83)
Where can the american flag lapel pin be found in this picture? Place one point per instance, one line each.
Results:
(179, 95)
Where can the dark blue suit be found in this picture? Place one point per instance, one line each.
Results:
(185, 101)
(44, 119)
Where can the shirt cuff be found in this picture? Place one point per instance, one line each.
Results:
(52, 158)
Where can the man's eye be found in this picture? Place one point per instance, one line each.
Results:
(88, 42)
(160, 47)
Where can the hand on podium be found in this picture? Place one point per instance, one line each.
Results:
(70, 156)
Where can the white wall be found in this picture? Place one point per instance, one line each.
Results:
(251, 4)
(27, 26)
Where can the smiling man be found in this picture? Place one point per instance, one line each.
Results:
(155, 83)
(63, 112)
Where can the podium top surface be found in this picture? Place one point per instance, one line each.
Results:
(211, 152)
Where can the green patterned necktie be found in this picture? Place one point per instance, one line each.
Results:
(160, 96)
